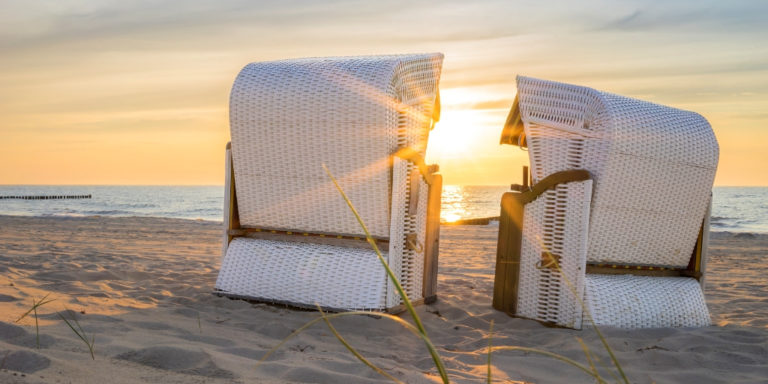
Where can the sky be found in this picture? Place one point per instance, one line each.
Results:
(136, 92)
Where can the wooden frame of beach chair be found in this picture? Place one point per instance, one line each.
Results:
(312, 251)
(616, 219)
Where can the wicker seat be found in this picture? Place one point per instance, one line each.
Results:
(615, 219)
(290, 238)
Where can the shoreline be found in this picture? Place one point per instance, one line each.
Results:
(142, 286)
(478, 221)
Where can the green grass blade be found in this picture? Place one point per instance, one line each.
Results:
(80, 333)
(33, 311)
(387, 316)
(588, 355)
(605, 367)
(602, 338)
(71, 327)
(407, 301)
(608, 348)
(353, 350)
(35, 306)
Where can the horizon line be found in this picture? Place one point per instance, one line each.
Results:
(222, 185)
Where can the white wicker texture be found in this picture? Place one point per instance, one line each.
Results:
(628, 301)
(289, 117)
(398, 228)
(557, 223)
(653, 167)
(352, 113)
(333, 277)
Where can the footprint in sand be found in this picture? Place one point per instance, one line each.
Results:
(10, 331)
(23, 361)
(177, 360)
(16, 335)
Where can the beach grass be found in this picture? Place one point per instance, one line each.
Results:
(398, 287)
(353, 350)
(78, 330)
(591, 320)
(33, 310)
(419, 330)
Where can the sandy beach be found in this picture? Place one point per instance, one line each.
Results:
(142, 288)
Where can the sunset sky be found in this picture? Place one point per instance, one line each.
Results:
(136, 92)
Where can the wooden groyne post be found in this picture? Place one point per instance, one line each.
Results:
(46, 197)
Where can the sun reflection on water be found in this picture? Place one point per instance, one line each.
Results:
(467, 202)
(453, 205)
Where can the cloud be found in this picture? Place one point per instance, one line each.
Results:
(706, 16)
(162, 25)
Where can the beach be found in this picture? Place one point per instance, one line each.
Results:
(141, 287)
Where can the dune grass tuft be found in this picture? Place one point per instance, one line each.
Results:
(399, 288)
(353, 350)
(591, 320)
(79, 331)
(76, 328)
(419, 330)
(33, 310)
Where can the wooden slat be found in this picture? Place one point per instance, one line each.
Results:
(397, 309)
(698, 263)
(640, 271)
(508, 250)
(243, 230)
(432, 239)
(233, 221)
(308, 238)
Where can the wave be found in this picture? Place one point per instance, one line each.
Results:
(137, 205)
(110, 212)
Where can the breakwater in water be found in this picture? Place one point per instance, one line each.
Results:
(46, 197)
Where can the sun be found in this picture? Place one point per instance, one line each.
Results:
(451, 217)
(454, 134)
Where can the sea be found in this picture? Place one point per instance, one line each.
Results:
(734, 209)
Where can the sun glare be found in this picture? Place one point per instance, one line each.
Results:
(454, 135)
(451, 217)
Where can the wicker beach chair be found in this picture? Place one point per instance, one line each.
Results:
(290, 237)
(616, 217)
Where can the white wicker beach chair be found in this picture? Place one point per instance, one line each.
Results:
(616, 219)
(290, 237)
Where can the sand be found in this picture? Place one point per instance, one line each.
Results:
(141, 287)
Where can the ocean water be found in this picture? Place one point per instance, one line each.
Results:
(734, 209)
(205, 203)
(740, 209)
